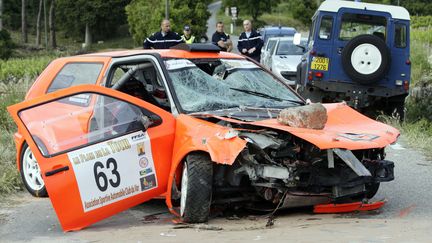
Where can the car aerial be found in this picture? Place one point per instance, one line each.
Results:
(276, 31)
(103, 132)
(283, 58)
(360, 53)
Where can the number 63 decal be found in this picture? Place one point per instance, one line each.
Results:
(114, 181)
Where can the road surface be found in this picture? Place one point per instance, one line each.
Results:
(405, 218)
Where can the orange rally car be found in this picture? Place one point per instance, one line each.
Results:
(103, 132)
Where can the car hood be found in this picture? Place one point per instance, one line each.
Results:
(289, 59)
(345, 128)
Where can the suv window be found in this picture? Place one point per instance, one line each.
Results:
(400, 35)
(75, 74)
(359, 24)
(326, 27)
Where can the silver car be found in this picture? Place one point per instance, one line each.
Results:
(282, 57)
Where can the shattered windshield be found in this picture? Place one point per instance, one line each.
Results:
(226, 83)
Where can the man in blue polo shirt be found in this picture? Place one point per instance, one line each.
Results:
(163, 39)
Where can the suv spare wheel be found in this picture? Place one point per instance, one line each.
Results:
(366, 59)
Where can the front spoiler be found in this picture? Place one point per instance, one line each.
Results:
(348, 207)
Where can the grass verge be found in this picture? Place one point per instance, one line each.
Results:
(417, 135)
(9, 176)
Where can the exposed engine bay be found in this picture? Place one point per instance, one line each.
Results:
(279, 169)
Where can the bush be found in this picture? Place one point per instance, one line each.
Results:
(6, 45)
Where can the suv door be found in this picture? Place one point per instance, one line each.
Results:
(121, 158)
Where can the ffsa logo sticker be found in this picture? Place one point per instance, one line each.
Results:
(138, 137)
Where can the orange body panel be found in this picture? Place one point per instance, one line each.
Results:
(43, 81)
(342, 120)
(68, 206)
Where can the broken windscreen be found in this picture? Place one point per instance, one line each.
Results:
(226, 83)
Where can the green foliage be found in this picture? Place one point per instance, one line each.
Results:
(303, 10)
(102, 16)
(253, 8)
(6, 45)
(193, 13)
(421, 21)
(145, 16)
(16, 68)
(9, 176)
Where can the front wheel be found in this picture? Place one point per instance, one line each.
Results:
(196, 188)
(31, 174)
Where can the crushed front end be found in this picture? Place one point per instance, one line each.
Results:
(283, 170)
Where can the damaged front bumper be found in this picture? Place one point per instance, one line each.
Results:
(342, 175)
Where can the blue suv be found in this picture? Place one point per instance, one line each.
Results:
(358, 53)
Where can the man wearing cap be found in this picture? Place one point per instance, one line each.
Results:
(250, 42)
(187, 36)
(163, 39)
(221, 39)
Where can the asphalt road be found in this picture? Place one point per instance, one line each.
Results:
(406, 217)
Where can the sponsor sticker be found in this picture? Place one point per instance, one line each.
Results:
(148, 182)
(113, 170)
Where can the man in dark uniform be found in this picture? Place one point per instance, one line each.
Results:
(221, 39)
(250, 42)
(163, 39)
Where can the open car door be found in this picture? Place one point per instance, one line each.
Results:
(100, 151)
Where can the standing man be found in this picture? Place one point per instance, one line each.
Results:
(163, 39)
(187, 36)
(221, 39)
(250, 42)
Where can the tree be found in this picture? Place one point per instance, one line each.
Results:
(6, 44)
(254, 8)
(1, 15)
(38, 23)
(23, 22)
(303, 10)
(143, 24)
(100, 17)
(53, 40)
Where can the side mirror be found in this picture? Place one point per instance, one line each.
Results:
(297, 39)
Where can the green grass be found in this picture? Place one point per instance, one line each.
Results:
(18, 68)
(417, 135)
(9, 176)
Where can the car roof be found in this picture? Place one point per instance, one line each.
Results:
(284, 38)
(396, 12)
(278, 29)
(165, 53)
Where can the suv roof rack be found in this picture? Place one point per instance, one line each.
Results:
(197, 47)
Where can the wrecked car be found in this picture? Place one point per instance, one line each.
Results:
(196, 126)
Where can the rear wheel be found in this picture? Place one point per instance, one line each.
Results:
(31, 174)
(196, 188)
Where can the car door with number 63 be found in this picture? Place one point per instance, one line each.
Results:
(118, 156)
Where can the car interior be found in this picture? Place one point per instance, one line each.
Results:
(141, 81)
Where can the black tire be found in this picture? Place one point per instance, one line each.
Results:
(195, 204)
(41, 192)
(348, 65)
